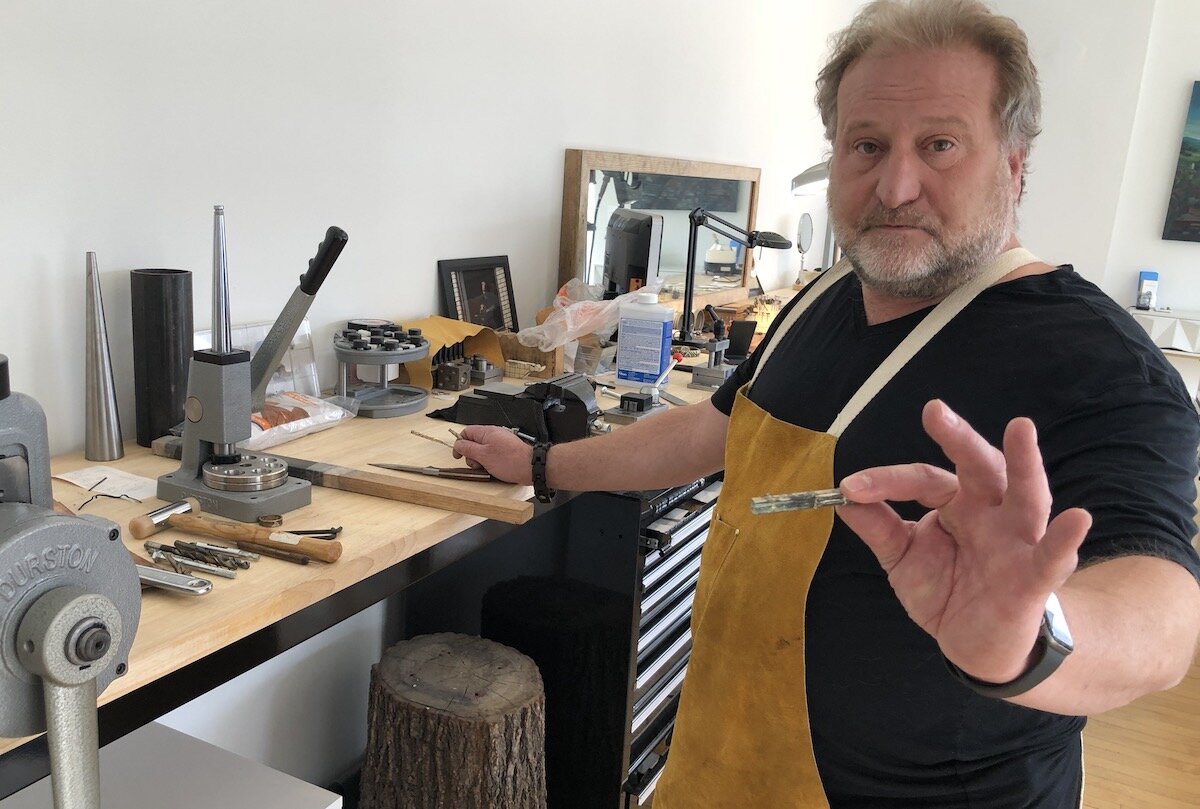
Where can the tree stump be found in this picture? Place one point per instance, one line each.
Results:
(454, 722)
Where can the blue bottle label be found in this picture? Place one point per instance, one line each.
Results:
(643, 349)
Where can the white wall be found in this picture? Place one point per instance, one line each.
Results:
(1172, 66)
(436, 131)
(1089, 57)
(426, 130)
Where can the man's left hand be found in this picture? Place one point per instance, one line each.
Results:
(976, 570)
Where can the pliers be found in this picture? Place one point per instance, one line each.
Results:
(454, 473)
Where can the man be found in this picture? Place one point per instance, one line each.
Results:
(914, 654)
(485, 307)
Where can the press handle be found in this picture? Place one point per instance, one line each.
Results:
(320, 264)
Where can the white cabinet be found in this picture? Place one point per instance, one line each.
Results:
(1178, 335)
(156, 767)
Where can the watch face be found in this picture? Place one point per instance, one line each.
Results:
(1056, 623)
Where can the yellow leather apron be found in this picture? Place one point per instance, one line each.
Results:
(741, 733)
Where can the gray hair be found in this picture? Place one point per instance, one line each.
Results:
(929, 24)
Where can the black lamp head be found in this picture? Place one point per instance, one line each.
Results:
(765, 238)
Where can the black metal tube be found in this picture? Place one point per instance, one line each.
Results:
(695, 220)
(162, 348)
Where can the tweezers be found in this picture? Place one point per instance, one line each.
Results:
(454, 473)
(797, 501)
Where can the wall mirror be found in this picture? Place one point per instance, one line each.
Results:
(597, 183)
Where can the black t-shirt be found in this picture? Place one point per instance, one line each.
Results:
(1118, 433)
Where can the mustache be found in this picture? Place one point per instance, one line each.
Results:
(896, 217)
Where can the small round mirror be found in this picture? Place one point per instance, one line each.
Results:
(804, 233)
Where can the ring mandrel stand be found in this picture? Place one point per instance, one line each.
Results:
(102, 428)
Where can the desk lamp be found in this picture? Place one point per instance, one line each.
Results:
(810, 182)
(701, 218)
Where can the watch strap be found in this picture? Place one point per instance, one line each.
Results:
(541, 489)
(1048, 654)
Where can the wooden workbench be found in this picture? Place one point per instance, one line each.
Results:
(186, 645)
(176, 630)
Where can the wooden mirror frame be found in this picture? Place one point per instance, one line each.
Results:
(577, 169)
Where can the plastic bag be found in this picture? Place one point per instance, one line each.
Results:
(289, 415)
(577, 313)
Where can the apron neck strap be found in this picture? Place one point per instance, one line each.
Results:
(942, 314)
(835, 273)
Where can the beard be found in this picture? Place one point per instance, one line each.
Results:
(890, 264)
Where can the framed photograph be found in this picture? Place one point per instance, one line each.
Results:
(479, 290)
(1183, 208)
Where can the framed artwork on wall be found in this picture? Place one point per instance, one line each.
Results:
(1183, 209)
(479, 290)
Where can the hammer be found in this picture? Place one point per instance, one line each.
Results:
(184, 516)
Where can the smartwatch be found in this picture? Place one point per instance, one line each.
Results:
(1051, 648)
(541, 490)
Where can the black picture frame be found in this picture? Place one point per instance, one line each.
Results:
(479, 290)
(1183, 206)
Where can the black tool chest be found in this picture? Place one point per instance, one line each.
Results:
(674, 528)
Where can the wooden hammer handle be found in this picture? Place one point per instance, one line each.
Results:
(319, 549)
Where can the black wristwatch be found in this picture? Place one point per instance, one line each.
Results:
(1053, 644)
(541, 490)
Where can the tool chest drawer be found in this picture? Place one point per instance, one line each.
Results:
(682, 576)
(667, 625)
(663, 564)
(646, 765)
(674, 517)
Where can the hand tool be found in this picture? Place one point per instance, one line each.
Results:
(151, 576)
(666, 396)
(184, 516)
(528, 439)
(453, 473)
(228, 558)
(656, 391)
(287, 556)
(421, 493)
(390, 487)
(798, 501)
(183, 564)
(320, 533)
(174, 582)
(714, 374)
(433, 438)
(225, 549)
(224, 385)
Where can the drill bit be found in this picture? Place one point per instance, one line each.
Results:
(797, 501)
(435, 439)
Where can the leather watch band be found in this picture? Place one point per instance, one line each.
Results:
(541, 489)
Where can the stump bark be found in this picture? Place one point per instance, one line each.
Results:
(454, 722)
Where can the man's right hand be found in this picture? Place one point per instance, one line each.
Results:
(497, 450)
(645, 455)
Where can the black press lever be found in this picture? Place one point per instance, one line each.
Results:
(279, 339)
(718, 324)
